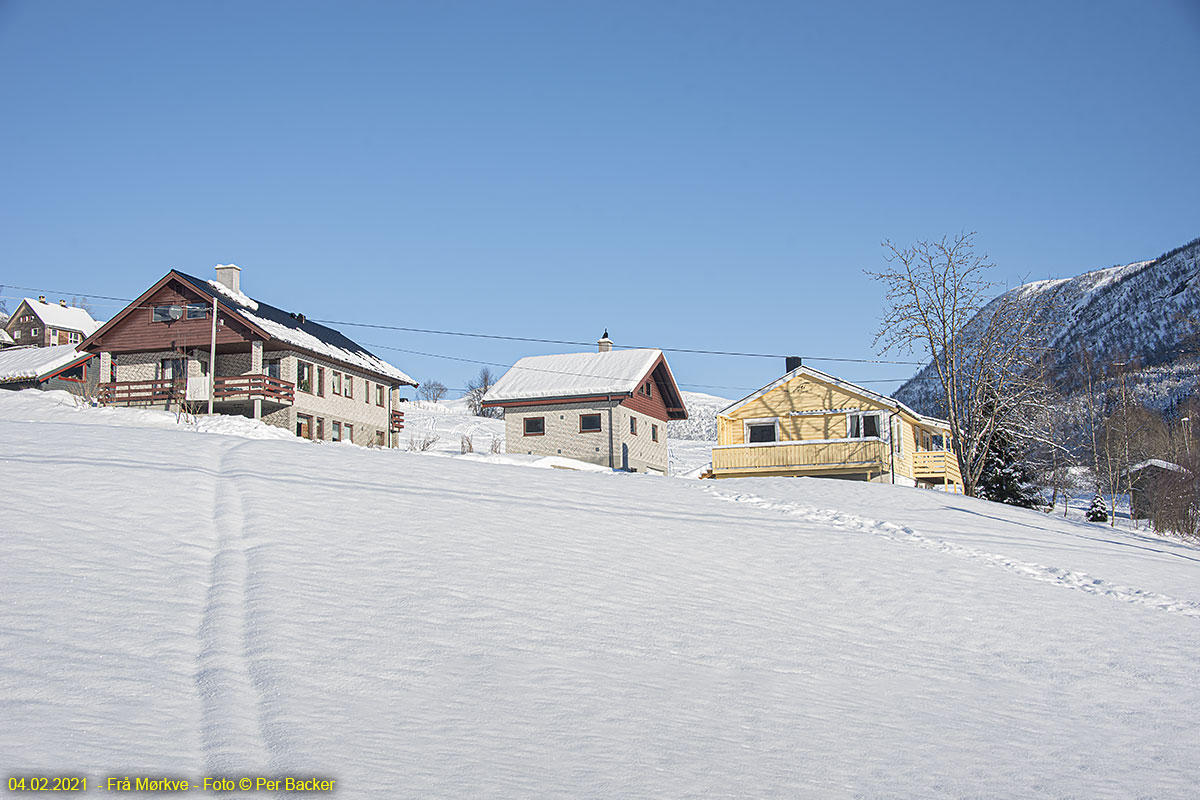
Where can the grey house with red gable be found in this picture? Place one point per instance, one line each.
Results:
(609, 408)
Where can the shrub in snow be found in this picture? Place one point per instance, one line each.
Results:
(1098, 512)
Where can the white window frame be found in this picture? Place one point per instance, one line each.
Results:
(897, 435)
(859, 415)
(746, 423)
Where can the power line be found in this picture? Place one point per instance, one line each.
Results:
(502, 337)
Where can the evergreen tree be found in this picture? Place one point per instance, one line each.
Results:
(1099, 511)
(1006, 476)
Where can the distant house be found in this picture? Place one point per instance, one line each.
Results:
(270, 364)
(609, 408)
(58, 367)
(808, 423)
(42, 324)
(1154, 481)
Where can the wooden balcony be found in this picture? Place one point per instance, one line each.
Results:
(847, 456)
(135, 393)
(226, 389)
(254, 387)
(936, 466)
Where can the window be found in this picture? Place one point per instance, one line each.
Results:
(197, 311)
(535, 426)
(654, 433)
(33, 331)
(379, 395)
(336, 380)
(320, 381)
(646, 389)
(898, 438)
(320, 427)
(271, 367)
(367, 392)
(77, 374)
(633, 425)
(172, 369)
(304, 374)
(17, 333)
(74, 338)
(348, 387)
(348, 432)
(862, 426)
(761, 432)
(336, 434)
(589, 423)
(304, 426)
(379, 438)
(166, 313)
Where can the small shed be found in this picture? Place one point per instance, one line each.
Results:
(57, 367)
(1151, 479)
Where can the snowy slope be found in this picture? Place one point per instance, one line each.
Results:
(1144, 311)
(184, 604)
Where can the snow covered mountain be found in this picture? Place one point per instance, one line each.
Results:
(184, 604)
(1146, 312)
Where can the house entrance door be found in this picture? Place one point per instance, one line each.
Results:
(303, 426)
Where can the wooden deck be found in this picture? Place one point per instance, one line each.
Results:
(869, 456)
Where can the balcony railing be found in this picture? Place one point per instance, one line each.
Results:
(937, 466)
(811, 458)
(250, 387)
(122, 393)
(168, 390)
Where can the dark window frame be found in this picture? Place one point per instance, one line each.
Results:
(633, 426)
(525, 426)
(599, 423)
(752, 426)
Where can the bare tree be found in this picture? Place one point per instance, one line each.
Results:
(984, 369)
(432, 391)
(477, 387)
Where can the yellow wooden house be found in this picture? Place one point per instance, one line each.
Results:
(811, 423)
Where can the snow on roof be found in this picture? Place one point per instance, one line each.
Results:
(1157, 462)
(573, 375)
(306, 335)
(33, 363)
(5, 338)
(72, 318)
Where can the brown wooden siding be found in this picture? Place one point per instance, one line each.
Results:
(138, 332)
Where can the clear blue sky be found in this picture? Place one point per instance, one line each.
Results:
(686, 174)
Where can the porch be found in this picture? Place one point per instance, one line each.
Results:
(227, 391)
(868, 458)
(937, 467)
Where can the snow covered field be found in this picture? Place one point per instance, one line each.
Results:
(178, 603)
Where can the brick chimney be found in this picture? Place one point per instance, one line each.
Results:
(230, 276)
(605, 343)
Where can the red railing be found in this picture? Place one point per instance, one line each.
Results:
(134, 392)
(237, 387)
(397, 421)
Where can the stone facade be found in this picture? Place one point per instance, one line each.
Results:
(562, 436)
(356, 404)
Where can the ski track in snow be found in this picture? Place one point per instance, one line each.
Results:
(1070, 579)
(233, 719)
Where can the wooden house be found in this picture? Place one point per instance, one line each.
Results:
(42, 324)
(269, 364)
(608, 408)
(809, 423)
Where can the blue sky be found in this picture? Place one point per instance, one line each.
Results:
(686, 174)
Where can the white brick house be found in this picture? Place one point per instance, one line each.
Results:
(270, 364)
(609, 407)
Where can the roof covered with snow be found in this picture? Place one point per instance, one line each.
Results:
(574, 375)
(306, 335)
(34, 363)
(54, 315)
(5, 338)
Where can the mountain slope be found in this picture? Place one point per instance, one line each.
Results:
(420, 626)
(1145, 311)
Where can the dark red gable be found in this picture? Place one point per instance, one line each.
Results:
(664, 402)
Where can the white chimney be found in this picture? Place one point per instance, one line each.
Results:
(605, 343)
(230, 276)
